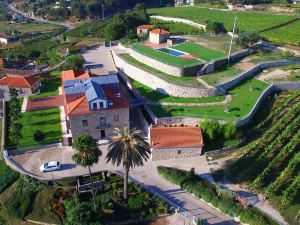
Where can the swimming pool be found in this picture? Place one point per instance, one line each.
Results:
(170, 51)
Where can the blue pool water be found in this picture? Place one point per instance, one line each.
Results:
(170, 51)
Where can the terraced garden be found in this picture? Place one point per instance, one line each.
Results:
(271, 164)
(244, 98)
(164, 57)
(202, 52)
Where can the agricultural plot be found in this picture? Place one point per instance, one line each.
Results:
(201, 52)
(244, 98)
(27, 27)
(289, 34)
(246, 20)
(164, 57)
(271, 164)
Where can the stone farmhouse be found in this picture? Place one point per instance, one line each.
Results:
(144, 29)
(24, 85)
(175, 142)
(94, 105)
(158, 36)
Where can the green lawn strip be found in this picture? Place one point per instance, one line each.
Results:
(164, 57)
(199, 50)
(27, 27)
(221, 75)
(49, 88)
(253, 21)
(190, 81)
(153, 95)
(48, 121)
(244, 98)
(39, 208)
(55, 74)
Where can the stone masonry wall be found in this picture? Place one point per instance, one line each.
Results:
(159, 84)
(164, 67)
(175, 153)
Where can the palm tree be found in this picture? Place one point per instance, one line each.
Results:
(129, 148)
(87, 153)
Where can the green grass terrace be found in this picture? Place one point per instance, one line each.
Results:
(199, 51)
(164, 57)
(48, 121)
(189, 81)
(244, 97)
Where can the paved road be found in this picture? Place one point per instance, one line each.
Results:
(100, 55)
(68, 26)
(146, 175)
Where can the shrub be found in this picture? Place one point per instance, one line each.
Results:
(215, 27)
(135, 204)
(229, 130)
(247, 38)
(210, 129)
(38, 136)
(7, 176)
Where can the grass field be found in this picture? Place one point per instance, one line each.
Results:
(246, 20)
(155, 96)
(48, 121)
(200, 51)
(164, 57)
(27, 27)
(289, 34)
(222, 75)
(189, 81)
(244, 97)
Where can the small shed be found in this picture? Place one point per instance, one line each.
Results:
(144, 29)
(158, 36)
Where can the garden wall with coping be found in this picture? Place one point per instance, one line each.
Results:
(164, 67)
(159, 84)
(254, 71)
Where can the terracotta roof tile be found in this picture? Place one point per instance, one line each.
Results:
(160, 31)
(74, 74)
(19, 81)
(168, 137)
(145, 26)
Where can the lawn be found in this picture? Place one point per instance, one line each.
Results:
(199, 50)
(221, 75)
(254, 21)
(189, 81)
(48, 121)
(153, 95)
(164, 57)
(244, 97)
(49, 88)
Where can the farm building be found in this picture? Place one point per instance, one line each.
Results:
(158, 36)
(175, 142)
(24, 85)
(144, 29)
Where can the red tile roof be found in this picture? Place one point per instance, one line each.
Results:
(16, 72)
(19, 81)
(169, 137)
(145, 26)
(160, 31)
(74, 74)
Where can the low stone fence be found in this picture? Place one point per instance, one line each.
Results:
(164, 66)
(179, 20)
(159, 84)
(254, 71)
(246, 119)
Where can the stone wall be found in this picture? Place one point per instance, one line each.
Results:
(175, 153)
(178, 120)
(288, 85)
(159, 84)
(93, 120)
(164, 67)
(254, 71)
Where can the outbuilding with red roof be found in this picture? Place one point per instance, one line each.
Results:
(158, 36)
(144, 29)
(175, 142)
(24, 85)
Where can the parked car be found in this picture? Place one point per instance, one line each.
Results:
(50, 166)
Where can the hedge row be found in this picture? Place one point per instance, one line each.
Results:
(222, 199)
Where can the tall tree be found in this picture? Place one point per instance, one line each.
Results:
(129, 148)
(87, 154)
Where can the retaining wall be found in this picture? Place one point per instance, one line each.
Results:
(164, 67)
(254, 71)
(159, 84)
